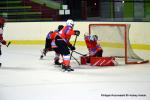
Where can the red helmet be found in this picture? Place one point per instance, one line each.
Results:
(2, 21)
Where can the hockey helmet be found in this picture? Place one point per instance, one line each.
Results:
(60, 27)
(2, 21)
(70, 22)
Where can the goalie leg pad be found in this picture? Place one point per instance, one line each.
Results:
(84, 60)
(102, 61)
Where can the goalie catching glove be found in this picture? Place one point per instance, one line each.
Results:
(77, 32)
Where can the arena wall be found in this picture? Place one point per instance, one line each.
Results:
(35, 32)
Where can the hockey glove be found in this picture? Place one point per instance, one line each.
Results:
(72, 47)
(3, 42)
(77, 32)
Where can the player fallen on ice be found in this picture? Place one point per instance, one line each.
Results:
(2, 41)
(95, 50)
(63, 44)
(49, 45)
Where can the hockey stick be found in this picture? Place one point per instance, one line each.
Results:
(80, 53)
(76, 60)
(8, 43)
(72, 51)
(74, 46)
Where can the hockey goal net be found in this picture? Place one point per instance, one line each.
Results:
(114, 39)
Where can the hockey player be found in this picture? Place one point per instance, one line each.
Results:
(2, 41)
(64, 46)
(49, 45)
(94, 48)
(49, 38)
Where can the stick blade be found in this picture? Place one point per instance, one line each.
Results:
(8, 43)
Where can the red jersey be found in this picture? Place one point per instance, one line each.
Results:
(51, 35)
(66, 33)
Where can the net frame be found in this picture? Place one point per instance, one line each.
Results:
(127, 44)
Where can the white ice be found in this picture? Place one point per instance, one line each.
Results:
(23, 76)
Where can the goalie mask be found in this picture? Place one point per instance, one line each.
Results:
(94, 38)
(70, 23)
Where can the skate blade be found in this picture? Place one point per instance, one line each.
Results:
(64, 70)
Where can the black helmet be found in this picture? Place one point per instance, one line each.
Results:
(60, 27)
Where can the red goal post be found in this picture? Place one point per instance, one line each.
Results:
(114, 39)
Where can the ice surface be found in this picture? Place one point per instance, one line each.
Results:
(23, 76)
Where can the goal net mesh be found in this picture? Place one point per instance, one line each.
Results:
(114, 39)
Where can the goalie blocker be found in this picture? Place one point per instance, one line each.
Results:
(99, 61)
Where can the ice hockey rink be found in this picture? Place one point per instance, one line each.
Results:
(23, 76)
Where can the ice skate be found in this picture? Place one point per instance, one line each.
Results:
(67, 68)
(41, 57)
(57, 62)
(43, 53)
